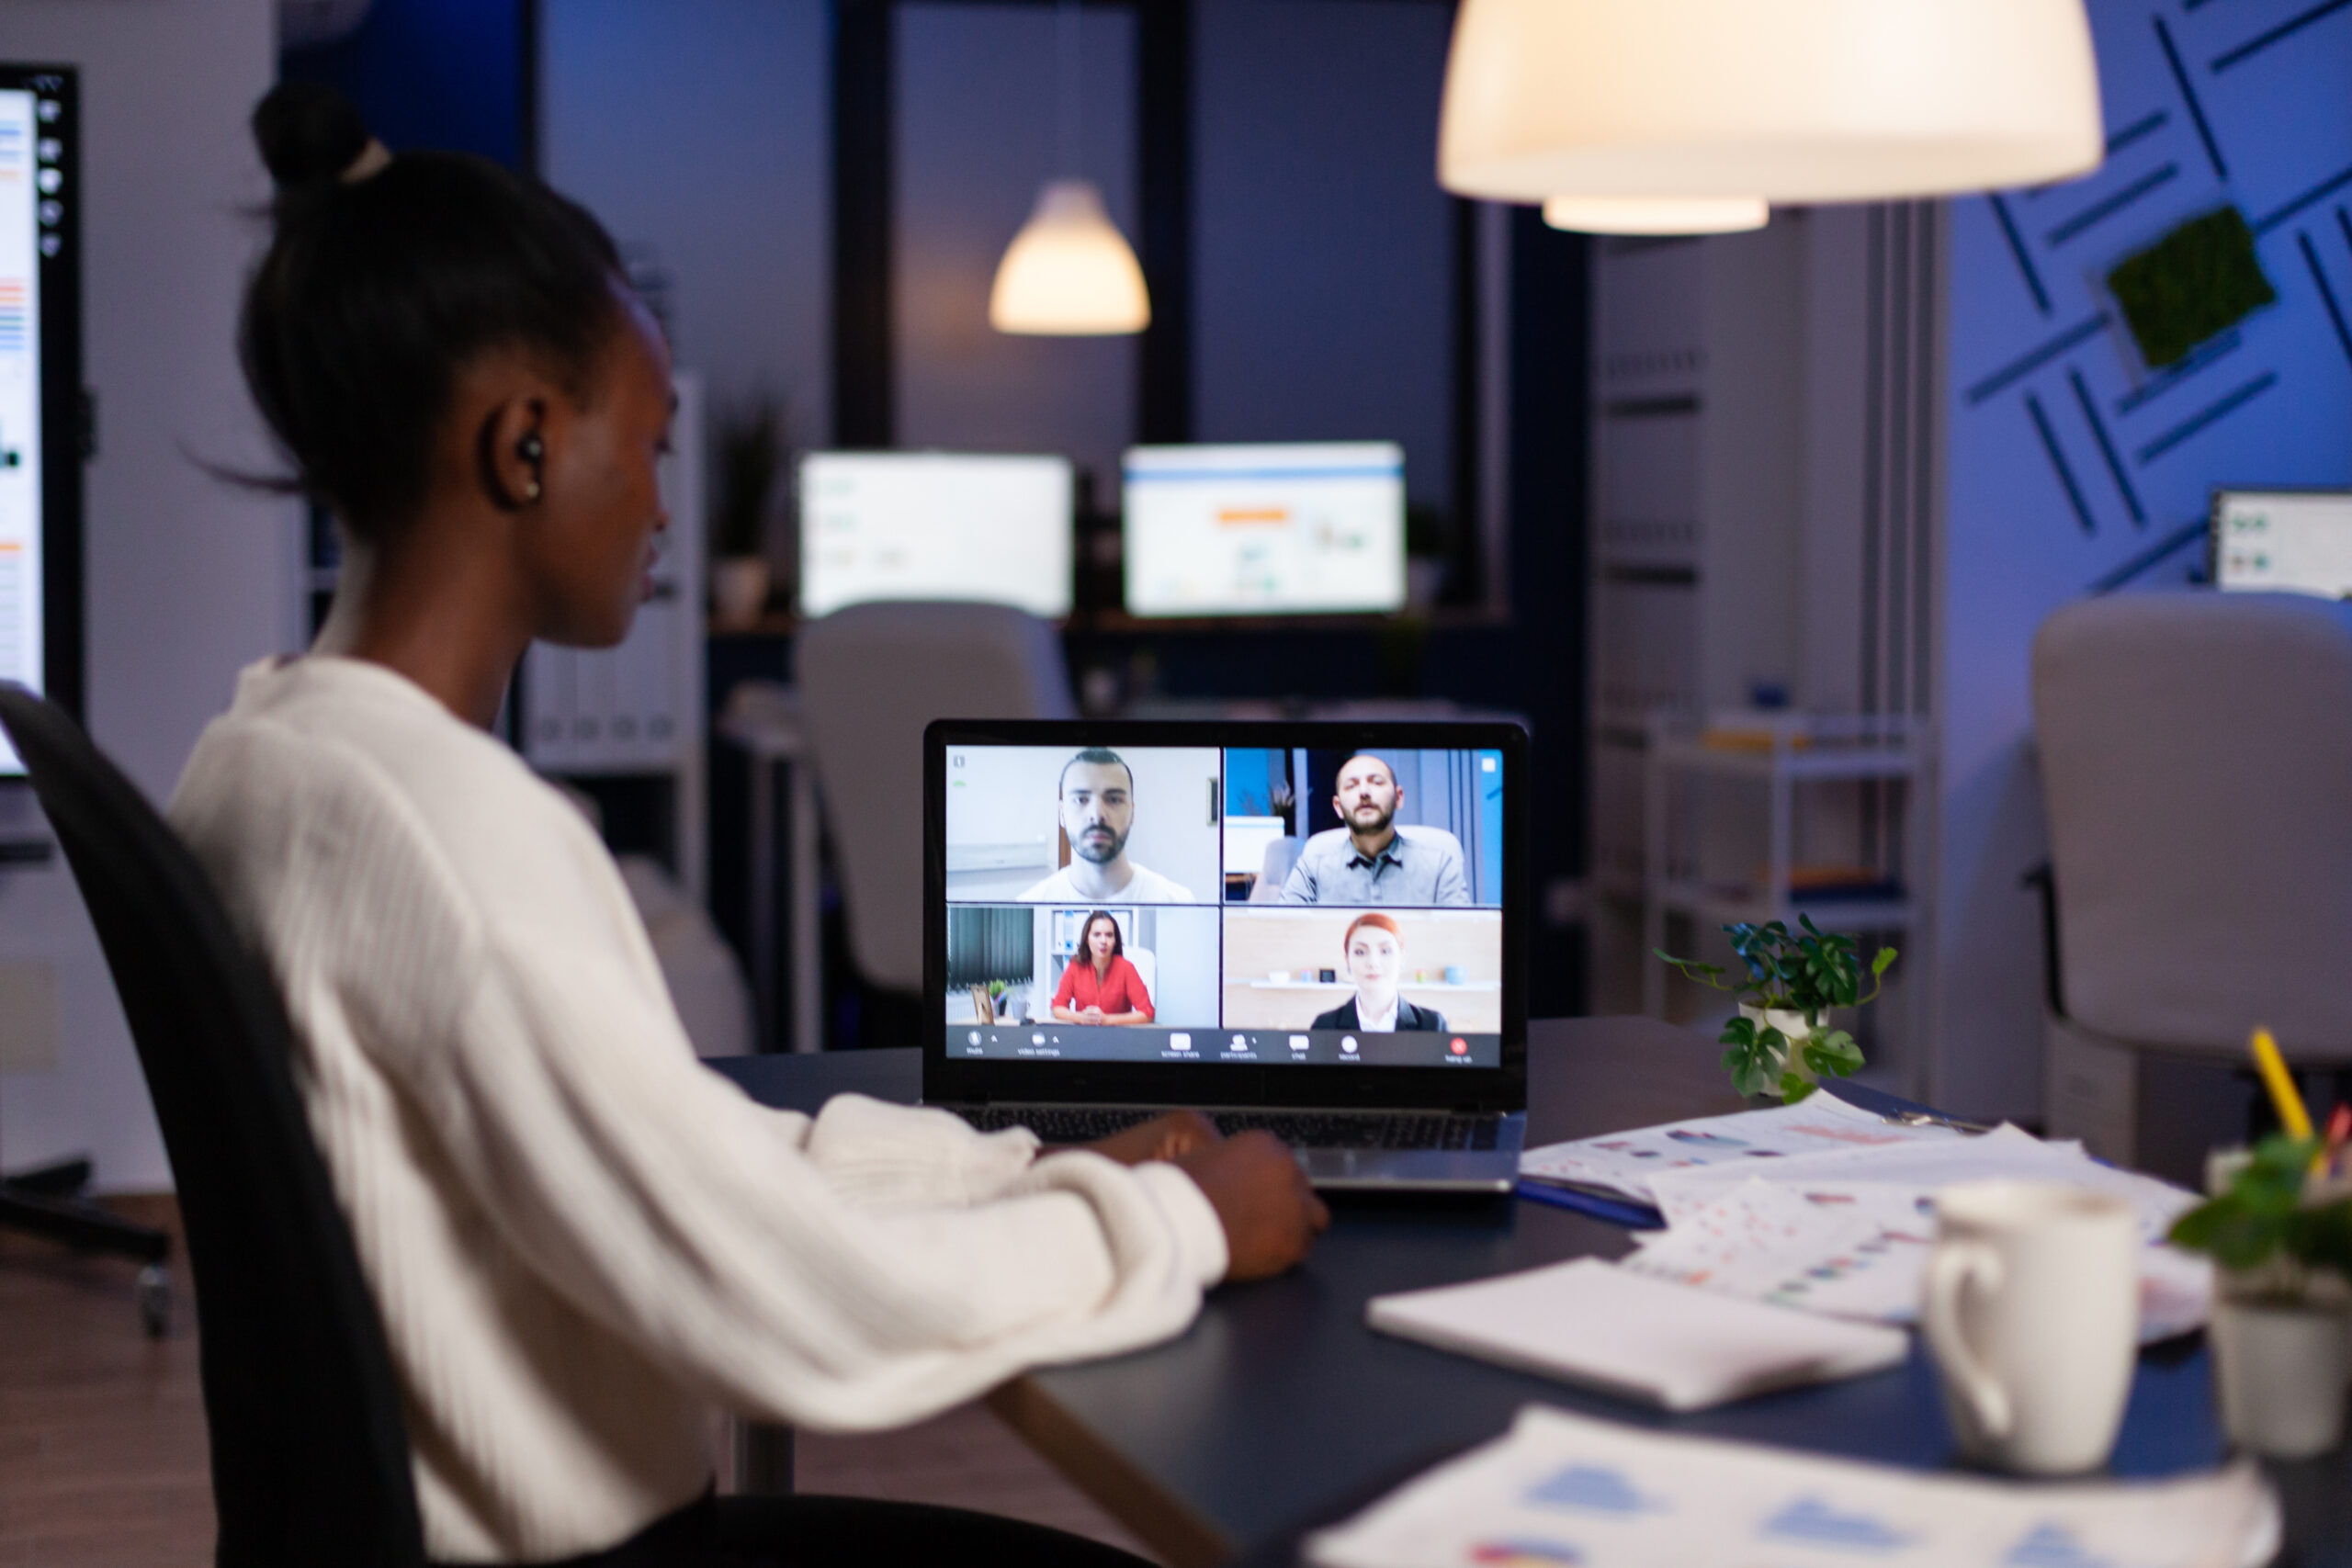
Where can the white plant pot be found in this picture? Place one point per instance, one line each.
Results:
(739, 590)
(1792, 1024)
(2279, 1373)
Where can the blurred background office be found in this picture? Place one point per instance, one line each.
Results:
(1755, 532)
(1689, 507)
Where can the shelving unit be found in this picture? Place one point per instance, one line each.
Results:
(1822, 752)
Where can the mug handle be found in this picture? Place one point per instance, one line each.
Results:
(1954, 1265)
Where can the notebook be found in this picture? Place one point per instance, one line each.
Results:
(1593, 1323)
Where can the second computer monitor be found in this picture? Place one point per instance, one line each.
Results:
(2293, 541)
(1259, 529)
(935, 525)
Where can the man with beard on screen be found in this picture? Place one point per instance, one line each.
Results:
(1371, 860)
(1098, 812)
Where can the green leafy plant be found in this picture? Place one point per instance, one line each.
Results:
(2273, 1224)
(1802, 972)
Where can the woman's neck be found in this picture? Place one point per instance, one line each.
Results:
(419, 610)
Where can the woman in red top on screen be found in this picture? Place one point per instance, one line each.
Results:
(1101, 986)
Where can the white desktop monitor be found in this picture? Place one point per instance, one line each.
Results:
(1250, 530)
(935, 525)
(2283, 541)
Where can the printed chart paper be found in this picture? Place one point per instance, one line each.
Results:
(1848, 1233)
(1628, 1163)
(1562, 1489)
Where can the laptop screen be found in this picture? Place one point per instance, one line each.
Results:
(1270, 897)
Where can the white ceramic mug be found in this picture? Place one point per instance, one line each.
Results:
(2031, 1308)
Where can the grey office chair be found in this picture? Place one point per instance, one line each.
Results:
(871, 677)
(2197, 768)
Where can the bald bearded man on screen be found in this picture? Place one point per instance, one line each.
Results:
(1370, 861)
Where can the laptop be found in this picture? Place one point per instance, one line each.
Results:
(1317, 929)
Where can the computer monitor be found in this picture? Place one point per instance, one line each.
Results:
(1262, 529)
(935, 525)
(41, 388)
(2283, 541)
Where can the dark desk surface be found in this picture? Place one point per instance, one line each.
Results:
(1281, 1406)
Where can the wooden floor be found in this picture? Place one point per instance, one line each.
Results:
(102, 1444)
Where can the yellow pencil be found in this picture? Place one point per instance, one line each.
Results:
(2281, 1084)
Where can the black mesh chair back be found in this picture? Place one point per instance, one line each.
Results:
(309, 1457)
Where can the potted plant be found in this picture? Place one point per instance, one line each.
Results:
(2281, 1238)
(1778, 1043)
(751, 459)
(988, 1001)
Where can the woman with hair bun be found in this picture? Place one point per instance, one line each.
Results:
(576, 1236)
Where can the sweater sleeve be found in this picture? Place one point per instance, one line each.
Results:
(860, 1270)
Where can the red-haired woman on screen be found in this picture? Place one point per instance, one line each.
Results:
(1375, 950)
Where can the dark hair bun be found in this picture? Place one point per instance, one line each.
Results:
(308, 133)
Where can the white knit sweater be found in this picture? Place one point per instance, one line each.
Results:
(577, 1234)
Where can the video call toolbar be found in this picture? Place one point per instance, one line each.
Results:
(1239, 905)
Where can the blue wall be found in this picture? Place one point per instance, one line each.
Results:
(431, 73)
(2068, 471)
(704, 147)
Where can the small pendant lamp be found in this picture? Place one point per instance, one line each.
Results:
(1656, 214)
(1789, 101)
(1068, 272)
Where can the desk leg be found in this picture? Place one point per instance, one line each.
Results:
(1160, 1521)
(763, 1459)
(807, 962)
(762, 789)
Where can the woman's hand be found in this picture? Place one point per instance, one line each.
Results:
(1270, 1214)
(1090, 1015)
(1163, 1137)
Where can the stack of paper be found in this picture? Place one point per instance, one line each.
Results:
(1593, 1323)
(1627, 1163)
(1563, 1489)
(1823, 1206)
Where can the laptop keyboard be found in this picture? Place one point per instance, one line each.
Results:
(1300, 1128)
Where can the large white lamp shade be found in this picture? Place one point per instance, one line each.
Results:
(1069, 273)
(1656, 214)
(1789, 100)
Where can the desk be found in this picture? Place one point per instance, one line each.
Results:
(1280, 1407)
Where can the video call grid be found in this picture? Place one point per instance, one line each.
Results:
(979, 842)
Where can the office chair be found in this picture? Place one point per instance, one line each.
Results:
(309, 1457)
(871, 677)
(309, 1452)
(2197, 770)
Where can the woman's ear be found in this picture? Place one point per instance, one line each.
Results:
(511, 452)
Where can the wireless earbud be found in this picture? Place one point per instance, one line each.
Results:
(533, 451)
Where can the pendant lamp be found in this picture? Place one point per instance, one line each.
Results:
(1070, 272)
(1656, 214)
(1788, 100)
